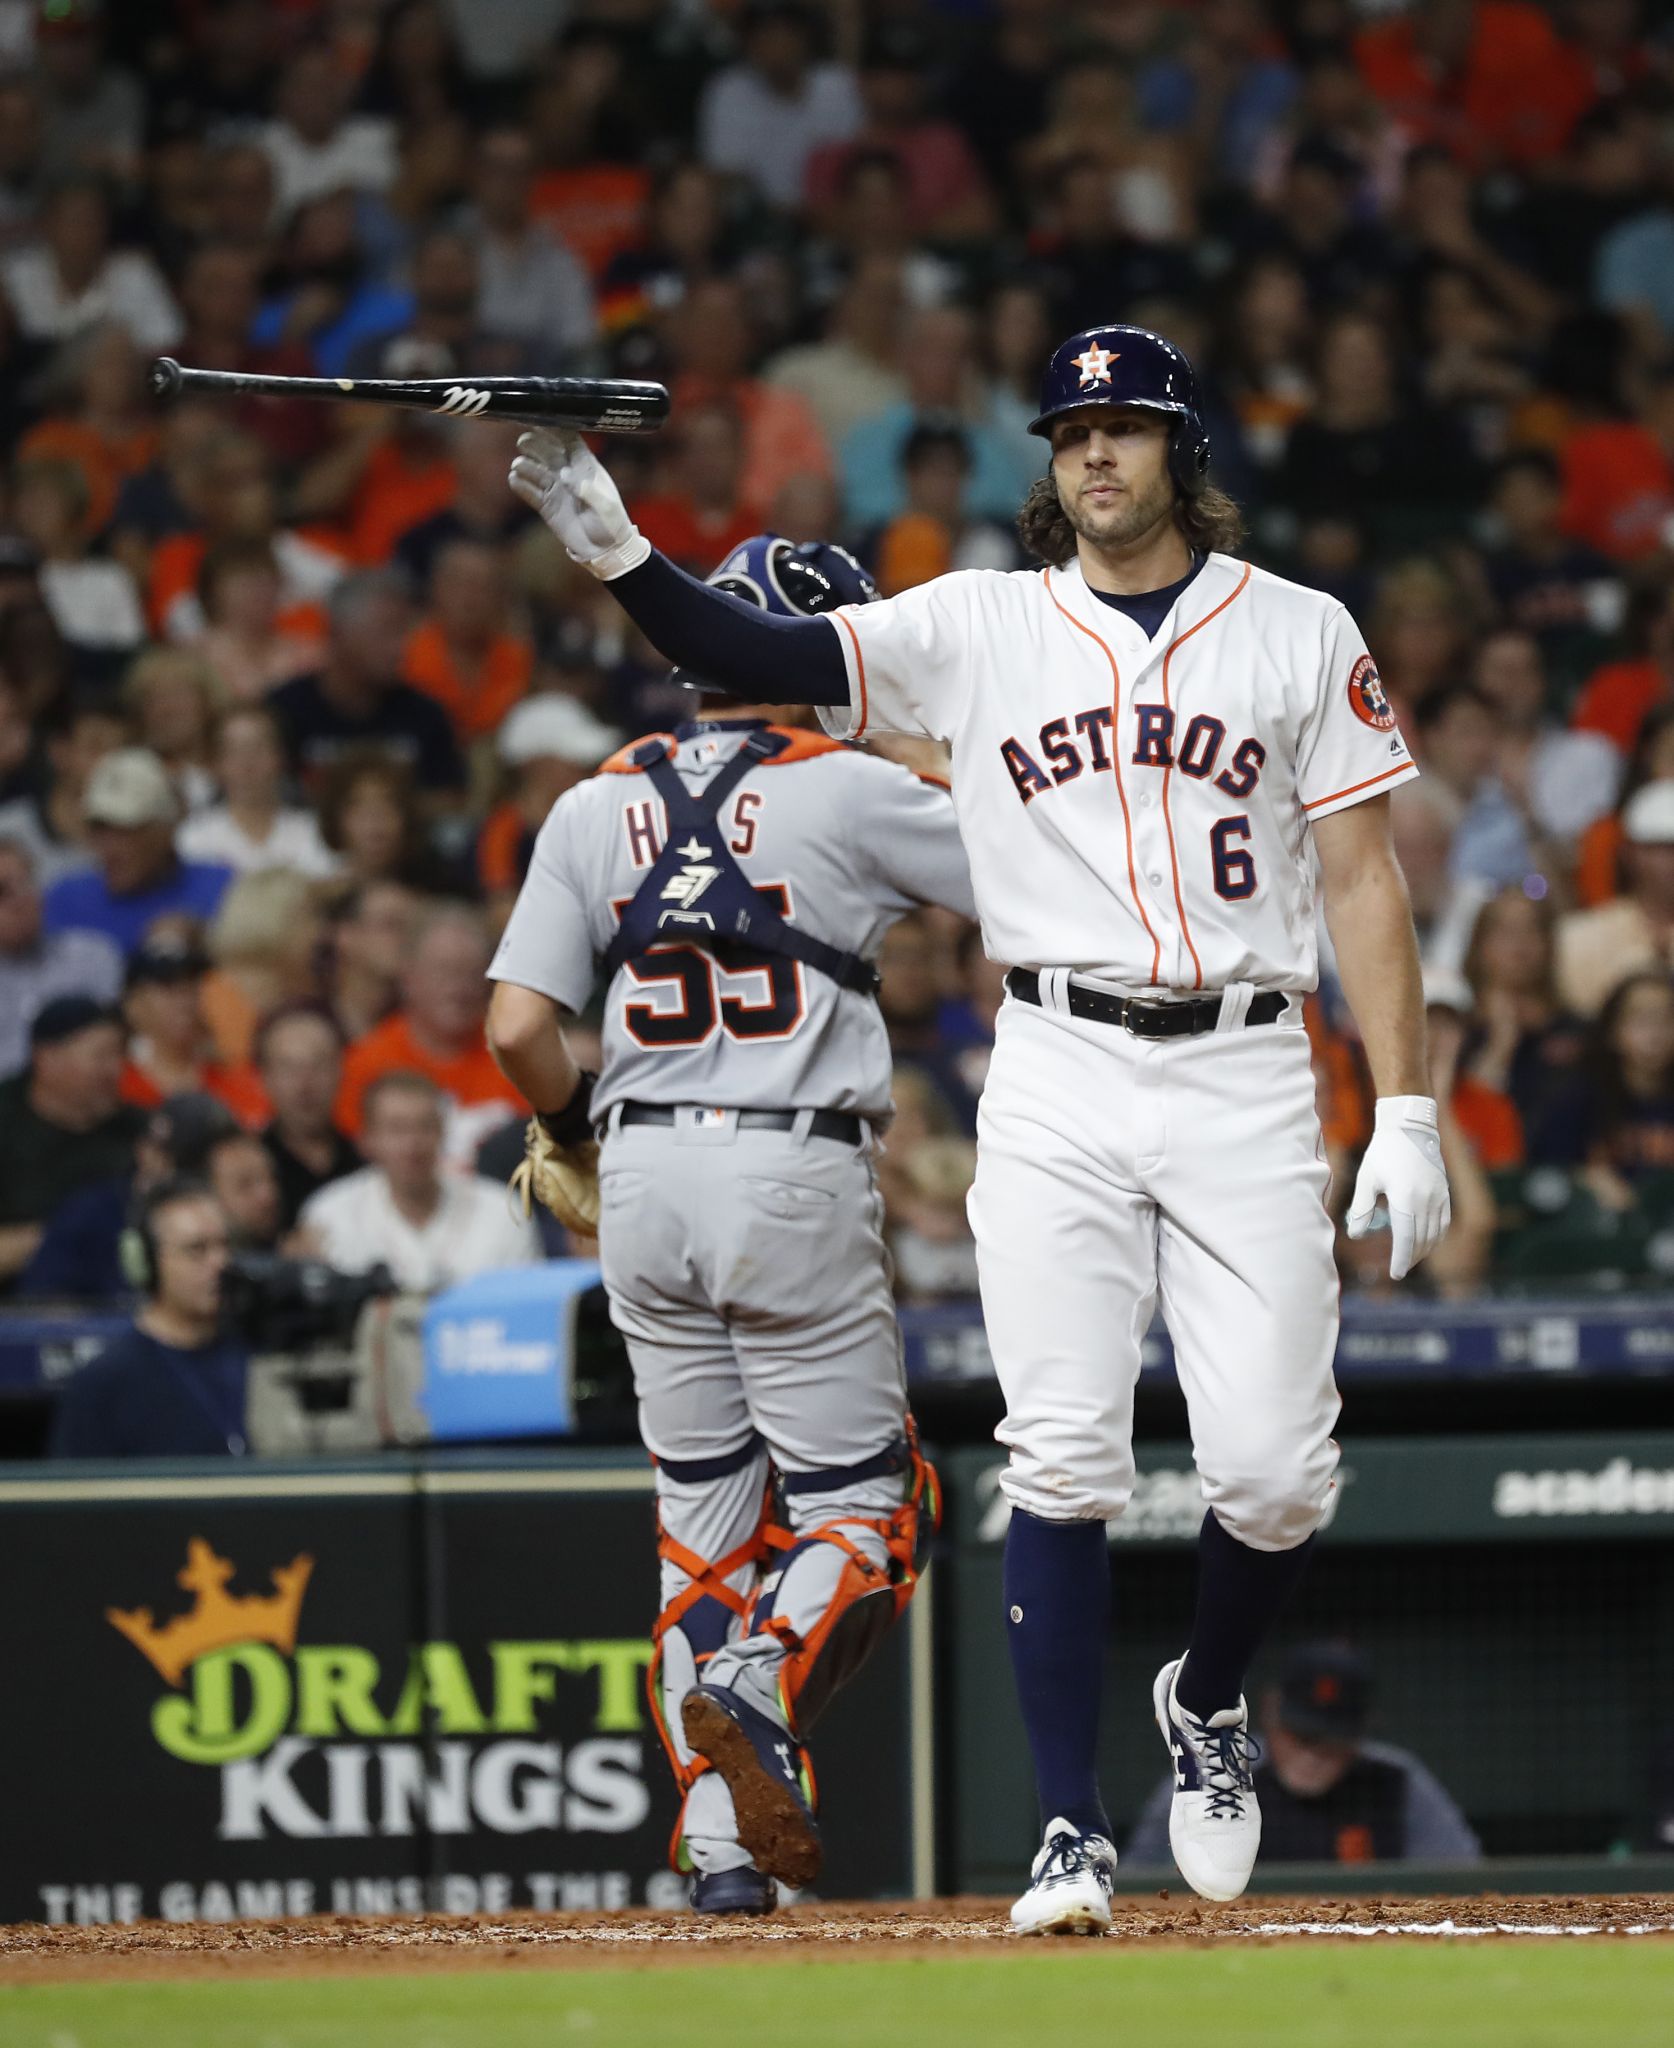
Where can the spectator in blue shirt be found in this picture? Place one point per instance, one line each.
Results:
(173, 1385)
(131, 811)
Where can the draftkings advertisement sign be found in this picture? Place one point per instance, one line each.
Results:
(375, 1693)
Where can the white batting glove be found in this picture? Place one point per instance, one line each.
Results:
(1403, 1169)
(559, 476)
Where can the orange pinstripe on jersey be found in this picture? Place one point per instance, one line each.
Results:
(1168, 822)
(1371, 782)
(1116, 763)
(859, 669)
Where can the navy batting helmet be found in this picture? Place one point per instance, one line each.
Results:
(1130, 366)
(795, 579)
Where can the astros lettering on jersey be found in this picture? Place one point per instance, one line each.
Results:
(1176, 774)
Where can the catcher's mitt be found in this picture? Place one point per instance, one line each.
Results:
(560, 1166)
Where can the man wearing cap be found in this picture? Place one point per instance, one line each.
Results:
(1328, 1795)
(548, 745)
(64, 1121)
(1600, 947)
(131, 811)
(36, 966)
(170, 1050)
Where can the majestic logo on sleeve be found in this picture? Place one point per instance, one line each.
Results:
(1094, 364)
(1366, 696)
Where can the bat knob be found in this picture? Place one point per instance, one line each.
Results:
(165, 379)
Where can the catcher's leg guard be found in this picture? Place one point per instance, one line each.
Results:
(712, 1514)
(851, 1547)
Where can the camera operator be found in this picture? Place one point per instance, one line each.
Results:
(174, 1384)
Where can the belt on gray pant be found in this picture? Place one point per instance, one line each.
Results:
(1147, 1020)
(826, 1123)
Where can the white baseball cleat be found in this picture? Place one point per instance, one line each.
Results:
(1069, 1884)
(1214, 1821)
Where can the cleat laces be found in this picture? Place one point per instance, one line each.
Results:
(1226, 1769)
(1070, 1856)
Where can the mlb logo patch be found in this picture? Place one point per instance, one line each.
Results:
(702, 1119)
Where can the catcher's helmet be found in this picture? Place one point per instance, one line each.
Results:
(795, 579)
(1130, 366)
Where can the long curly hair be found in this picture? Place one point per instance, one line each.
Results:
(1210, 523)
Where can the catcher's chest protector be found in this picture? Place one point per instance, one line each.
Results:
(697, 894)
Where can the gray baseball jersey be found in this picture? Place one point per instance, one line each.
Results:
(845, 843)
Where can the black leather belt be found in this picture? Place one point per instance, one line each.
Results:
(1147, 1020)
(827, 1123)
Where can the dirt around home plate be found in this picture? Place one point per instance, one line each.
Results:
(160, 1950)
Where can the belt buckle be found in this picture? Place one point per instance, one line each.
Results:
(1143, 1019)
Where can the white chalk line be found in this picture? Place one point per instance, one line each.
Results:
(1437, 1927)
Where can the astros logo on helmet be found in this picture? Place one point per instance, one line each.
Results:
(1131, 366)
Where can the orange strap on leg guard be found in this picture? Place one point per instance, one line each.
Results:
(869, 1597)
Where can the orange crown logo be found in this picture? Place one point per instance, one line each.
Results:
(217, 1618)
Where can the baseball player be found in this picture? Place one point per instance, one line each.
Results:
(1155, 746)
(735, 880)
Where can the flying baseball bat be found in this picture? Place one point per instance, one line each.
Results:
(594, 405)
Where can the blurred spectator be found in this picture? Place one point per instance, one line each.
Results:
(481, 508)
(372, 822)
(1444, 906)
(930, 1240)
(1455, 733)
(1480, 1134)
(170, 1047)
(131, 811)
(1311, 220)
(1333, 1795)
(547, 745)
(1629, 1130)
(242, 1178)
(357, 698)
(1093, 117)
(1542, 581)
(98, 418)
(999, 93)
(79, 1257)
(1560, 781)
(593, 186)
(1598, 869)
(933, 533)
(854, 371)
(530, 287)
(1522, 1044)
(438, 1033)
(94, 110)
(685, 239)
(20, 157)
(71, 278)
(1087, 259)
(315, 142)
(463, 653)
(1224, 89)
(220, 295)
(171, 696)
(943, 380)
(241, 593)
(434, 330)
(910, 999)
(763, 117)
(371, 929)
(1599, 948)
(947, 197)
(1619, 477)
(36, 968)
(712, 343)
(1622, 694)
(325, 300)
(415, 71)
(173, 1385)
(49, 820)
(700, 514)
(299, 1055)
(431, 1227)
(65, 1122)
(1420, 625)
(252, 828)
(267, 941)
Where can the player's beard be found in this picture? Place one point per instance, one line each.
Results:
(1130, 518)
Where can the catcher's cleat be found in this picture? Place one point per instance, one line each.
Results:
(1069, 1884)
(767, 1773)
(1214, 1821)
(733, 1891)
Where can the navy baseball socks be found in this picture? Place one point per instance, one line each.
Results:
(1057, 1593)
(1214, 1817)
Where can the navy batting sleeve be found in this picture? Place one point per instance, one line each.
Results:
(752, 654)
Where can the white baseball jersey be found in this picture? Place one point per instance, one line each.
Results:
(1134, 809)
(846, 842)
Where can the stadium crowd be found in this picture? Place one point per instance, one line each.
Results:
(285, 690)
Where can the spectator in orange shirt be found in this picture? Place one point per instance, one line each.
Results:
(710, 337)
(170, 1048)
(592, 186)
(108, 429)
(1620, 696)
(1619, 479)
(438, 1032)
(1598, 869)
(461, 654)
(1488, 79)
(701, 514)
(547, 745)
